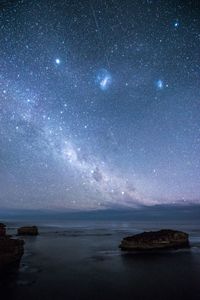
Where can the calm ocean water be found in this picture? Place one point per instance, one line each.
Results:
(81, 260)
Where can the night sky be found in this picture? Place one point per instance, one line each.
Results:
(99, 103)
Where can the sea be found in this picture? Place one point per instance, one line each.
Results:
(75, 260)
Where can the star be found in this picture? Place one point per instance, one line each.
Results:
(176, 24)
(58, 61)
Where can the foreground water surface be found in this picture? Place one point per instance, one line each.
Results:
(81, 260)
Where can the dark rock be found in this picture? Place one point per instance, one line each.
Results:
(2, 229)
(11, 250)
(156, 240)
(28, 230)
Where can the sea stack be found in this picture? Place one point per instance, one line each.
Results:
(156, 240)
(11, 250)
(2, 230)
(28, 230)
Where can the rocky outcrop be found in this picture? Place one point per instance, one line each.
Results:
(155, 240)
(11, 250)
(2, 229)
(28, 230)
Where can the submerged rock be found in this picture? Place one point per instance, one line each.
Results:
(11, 250)
(156, 240)
(28, 230)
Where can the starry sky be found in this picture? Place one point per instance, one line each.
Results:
(99, 103)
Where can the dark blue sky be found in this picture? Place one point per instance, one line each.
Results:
(99, 103)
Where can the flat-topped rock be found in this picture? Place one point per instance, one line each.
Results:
(28, 230)
(156, 240)
(11, 250)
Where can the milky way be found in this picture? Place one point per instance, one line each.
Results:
(99, 103)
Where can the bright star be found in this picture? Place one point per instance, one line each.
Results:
(176, 24)
(58, 61)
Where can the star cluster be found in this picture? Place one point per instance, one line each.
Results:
(99, 103)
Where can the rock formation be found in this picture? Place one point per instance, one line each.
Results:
(11, 250)
(2, 229)
(28, 230)
(155, 240)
